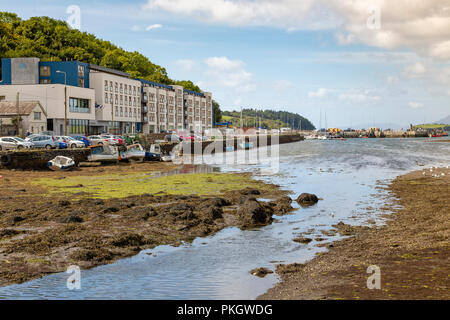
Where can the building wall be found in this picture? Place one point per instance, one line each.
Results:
(118, 108)
(21, 71)
(71, 69)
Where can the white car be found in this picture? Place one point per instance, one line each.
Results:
(71, 142)
(98, 140)
(11, 143)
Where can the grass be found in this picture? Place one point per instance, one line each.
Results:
(432, 126)
(121, 186)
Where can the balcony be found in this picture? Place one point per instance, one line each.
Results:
(145, 119)
(144, 109)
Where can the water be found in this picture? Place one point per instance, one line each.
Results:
(344, 174)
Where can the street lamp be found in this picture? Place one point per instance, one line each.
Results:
(65, 100)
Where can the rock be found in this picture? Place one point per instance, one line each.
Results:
(249, 191)
(282, 205)
(301, 239)
(64, 203)
(111, 210)
(289, 268)
(71, 219)
(145, 213)
(97, 254)
(307, 199)
(215, 202)
(16, 219)
(127, 239)
(253, 214)
(261, 272)
(213, 213)
(99, 203)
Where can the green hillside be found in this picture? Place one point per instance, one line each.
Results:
(53, 40)
(270, 119)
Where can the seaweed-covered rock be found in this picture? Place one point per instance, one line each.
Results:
(71, 219)
(249, 191)
(307, 199)
(261, 272)
(128, 239)
(282, 205)
(252, 214)
(301, 239)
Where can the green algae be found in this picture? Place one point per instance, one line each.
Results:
(125, 185)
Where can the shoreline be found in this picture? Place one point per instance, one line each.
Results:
(411, 249)
(96, 216)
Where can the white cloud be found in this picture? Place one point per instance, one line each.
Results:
(320, 93)
(185, 64)
(421, 25)
(415, 70)
(230, 73)
(282, 85)
(135, 28)
(154, 26)
(415, 105)
(355, 96)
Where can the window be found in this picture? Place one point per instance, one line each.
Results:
(126, 112)
(78, 126)
(121, 88)
(116, 87)
(116, 113)
(81, 82)
(45, 71)
(2, 98)
(121, 100)
(111, 98)
(117, 99)
(130, 101)
(152, 117)
(121, 111)
(152, 107)
(126, 101)
(134, 102)
(37, 115)
(135, 113)
(79, 105)
(106, 98)
(134, 91)
(106, 85)
(81, 71)
(110, 86)
(126, 89)
(45, 81)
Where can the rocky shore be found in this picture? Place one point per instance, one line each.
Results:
(411, 250)
(91, 217)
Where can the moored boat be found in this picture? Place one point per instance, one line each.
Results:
(104, 153)
(61, 163)
(133, 152)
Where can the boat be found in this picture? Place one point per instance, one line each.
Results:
(61, 163)
(167, 158)
(154, 153)
(133, 152)
(104, 153)
(439, 135)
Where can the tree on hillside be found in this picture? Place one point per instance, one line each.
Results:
(217, 112)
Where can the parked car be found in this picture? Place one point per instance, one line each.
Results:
(71, 142)
(43, 141)
(62, 144)
(85, 140)
(10, 143)
(113, 140)
(172, 138)
(98, 140)
(188, 138)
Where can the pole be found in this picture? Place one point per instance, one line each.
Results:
(18, 114)
(65, 108)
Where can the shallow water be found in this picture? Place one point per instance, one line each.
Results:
(344, 173)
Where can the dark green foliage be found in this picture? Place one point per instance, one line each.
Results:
(286, 119)
(53, 40)
(217, 113)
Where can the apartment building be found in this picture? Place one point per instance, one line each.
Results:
(96, 99)
(118, 101)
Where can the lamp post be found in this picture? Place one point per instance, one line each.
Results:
(65, 100)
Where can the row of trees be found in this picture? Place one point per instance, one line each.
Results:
(282, 118)
(53, 40)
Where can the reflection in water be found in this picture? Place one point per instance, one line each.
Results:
(344, 174)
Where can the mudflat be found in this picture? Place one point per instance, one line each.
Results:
(412, 250)
(93, 216)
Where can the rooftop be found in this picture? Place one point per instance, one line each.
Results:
(8, 108)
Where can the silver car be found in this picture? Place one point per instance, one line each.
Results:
(71, 142)
(11, 143)
(98, 140)
(43, 141)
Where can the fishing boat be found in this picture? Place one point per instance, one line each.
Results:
(104, 153)
(61, 163)
(133, 152)
(439, 135)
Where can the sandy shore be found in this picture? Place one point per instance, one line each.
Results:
(94, 216)
(412, 251)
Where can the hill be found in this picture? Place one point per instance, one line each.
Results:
(444, 121)
(270, 119)
(53, 40)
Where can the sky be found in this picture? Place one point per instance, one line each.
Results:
(360, 62)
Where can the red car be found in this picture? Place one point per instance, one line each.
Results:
(188, 138)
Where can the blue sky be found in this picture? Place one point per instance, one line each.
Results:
(308, 56)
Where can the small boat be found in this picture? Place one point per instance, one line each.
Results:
(104, 153)
(440, 135)
(61, 163)
(133, 152)
(167, 158)
(154, 154)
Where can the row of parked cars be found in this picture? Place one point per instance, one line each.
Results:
(49, 141)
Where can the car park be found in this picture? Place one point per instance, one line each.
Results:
(84, 139)
(71, 142)
(43, 141)
(11, 143)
